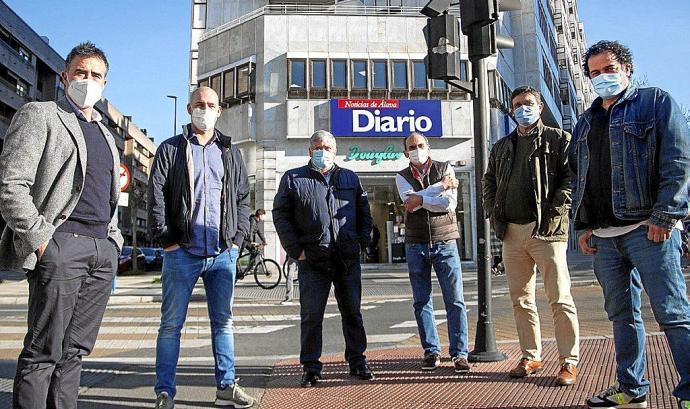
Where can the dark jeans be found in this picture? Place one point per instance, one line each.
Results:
(314, 287)
(68, 293)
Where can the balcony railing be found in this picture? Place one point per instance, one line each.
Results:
(311, 9)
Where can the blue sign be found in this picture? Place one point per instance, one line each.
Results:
(385, 117)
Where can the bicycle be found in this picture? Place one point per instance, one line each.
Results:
(267, 272)
(291, 264)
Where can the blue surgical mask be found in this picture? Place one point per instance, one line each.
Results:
(609, 85)
(323, 159)
(527, 115)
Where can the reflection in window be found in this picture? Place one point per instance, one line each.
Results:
(243, 80)
(298, 74)
(359, 74)
(379, 75)
(318, 74)
(339, 74)
(229, 84)
(400, 75)
(215, 84)
(419, 74)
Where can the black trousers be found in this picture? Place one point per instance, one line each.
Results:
(314, 287)
(68, 293)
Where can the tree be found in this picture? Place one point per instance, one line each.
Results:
(137, 200)
(685, 110)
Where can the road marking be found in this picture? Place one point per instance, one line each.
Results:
(388, 338)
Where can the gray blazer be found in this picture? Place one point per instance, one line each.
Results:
(42, 168)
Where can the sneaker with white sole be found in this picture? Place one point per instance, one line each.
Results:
(164, 401)
(614, 397)
(684, 404)
(233, 396)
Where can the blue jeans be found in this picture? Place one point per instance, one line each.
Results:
(314, 286)
(625, 265)
(443, 255)
(181, 270)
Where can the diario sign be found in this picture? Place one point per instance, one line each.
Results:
(376, 157)
(385, 117)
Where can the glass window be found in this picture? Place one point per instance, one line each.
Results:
(419, 74)
(298, 74)
(439, 84)
(203, 83)
(379, 75)
(243, 78)
(359, 74)
(400, 75)
(463, 71)
(339, 74)
(318, 74)
(229, 84)
(199, 16)
(215, 84)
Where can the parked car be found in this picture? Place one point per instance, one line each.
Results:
(125, 260)
(154, 258)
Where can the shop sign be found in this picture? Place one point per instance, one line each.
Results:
(385, 117)
(376, 157)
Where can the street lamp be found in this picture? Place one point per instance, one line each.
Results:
(175, 114)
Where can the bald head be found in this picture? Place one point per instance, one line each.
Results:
(204, 108)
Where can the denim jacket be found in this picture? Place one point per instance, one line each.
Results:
(650, 159)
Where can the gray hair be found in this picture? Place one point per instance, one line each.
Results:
(415, 134)
(322, 136)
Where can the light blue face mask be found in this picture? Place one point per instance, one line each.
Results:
(609, 85)
(527, 115)
(323, 159)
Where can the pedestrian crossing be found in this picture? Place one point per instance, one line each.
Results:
(138, 329)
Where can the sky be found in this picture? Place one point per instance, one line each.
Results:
(147, 44)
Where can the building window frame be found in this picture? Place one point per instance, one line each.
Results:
(334, 77)
(374, 75)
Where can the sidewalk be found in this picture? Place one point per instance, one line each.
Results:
(400, 384)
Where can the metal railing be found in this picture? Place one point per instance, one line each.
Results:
(312, 9)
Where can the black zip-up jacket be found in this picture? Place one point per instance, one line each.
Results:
(325, 220)
(171, 197)
(550, 183)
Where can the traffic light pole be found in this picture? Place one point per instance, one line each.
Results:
(485, 349)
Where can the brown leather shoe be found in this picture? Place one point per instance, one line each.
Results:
(525, 368)
(567, 375)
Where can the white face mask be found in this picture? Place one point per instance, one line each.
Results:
(204, 119)
(419, 156)
(84, 93)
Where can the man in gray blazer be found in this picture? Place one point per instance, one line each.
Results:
(59, 188)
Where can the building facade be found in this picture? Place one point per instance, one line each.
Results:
(29, 67)
(284, 69)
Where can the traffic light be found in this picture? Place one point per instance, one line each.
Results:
(478, 21)
(483, 12)
(443, 47)
(436, 7)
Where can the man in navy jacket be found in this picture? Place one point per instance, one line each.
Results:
(321, 214)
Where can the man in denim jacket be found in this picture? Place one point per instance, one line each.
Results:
(630, 157)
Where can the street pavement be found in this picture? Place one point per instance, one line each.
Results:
(121, 371)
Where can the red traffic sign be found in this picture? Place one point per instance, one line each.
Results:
(125, 177)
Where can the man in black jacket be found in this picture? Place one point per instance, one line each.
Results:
(321, 214)
(254, 230)
(199, 210)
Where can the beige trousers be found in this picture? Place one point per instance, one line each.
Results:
(521, 253)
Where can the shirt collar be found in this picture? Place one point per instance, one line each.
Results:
(95, 115)
(195, 138)
(419, 174)
(532, 131)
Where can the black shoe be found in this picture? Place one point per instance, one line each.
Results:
(431, 362)
(309, 379)
(362, 372)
